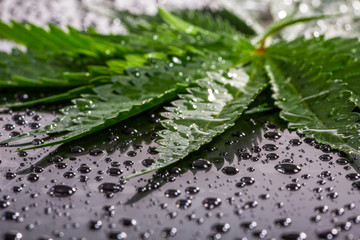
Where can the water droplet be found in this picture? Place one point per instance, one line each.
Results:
(272, 135)
(61, 191)
(287, 168)
(294, 236)
(201, 164)
(270, 147)
(221, 227)
(211, 203)
(328, 234)
(283, 222)
(183, 203)
(353, 176)
(293, 186)
(110, 188)
(325, 157)
(172, 193)
(95, 224)
(230, 170)
(77, 149)
(192, 190)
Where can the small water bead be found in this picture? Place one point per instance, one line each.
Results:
(10, 215)
(110, 188)
(342, 161)
(325, 174)
(283, 222)
(169, 232)
(172, 193)
(34, 125)
(117, 235)
(192, 190)
(321, 209)
(221, 227)
(33, 177)
(37, 141)
(256, 149)
(114, 171)
(325, 157)
(245, 156)
(249, 225)
(352, 176)
(264, 196)
(69, 175)
(306, 176)
(84, 168)
(96, 152)
(270, 147)
(183, 203)
(325, 148)
(61, 191)
(201, 164)
(245, 181)
(83, 178)
(344, 226)
(272, 156)
(9, 127)
(332, 195)
(61, 165)
(328, 234)
(250, 169)
(260, 233)
(355, 219)
(36, 118)
(211, 203)
(21, 122)
(131, 153)
(295, 142)
(17, 117)
(230, 170)
(77, 149)
(147, 162)
(95, 224)
(293, 186)
(128, 222)
(13, 134)
(287, 168)
(238, 134)
(4, 204)
(294, 236)
(10, 175)
(250, 204)
(272, 135)
(310, 141)
(56, 159)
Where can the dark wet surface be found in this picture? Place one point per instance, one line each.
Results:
(255, 181)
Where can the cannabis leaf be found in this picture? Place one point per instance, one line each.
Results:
(208, 64)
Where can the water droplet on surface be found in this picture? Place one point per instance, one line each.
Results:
(172, 193)
(325, 157)
(61, 191)
(221, 227)
(293, 186)
(272, 135)
(230, 170)
(183, 203)
(110, 188)
(211, 203)
(287, 168)
(352, 176)
(201, 164)
(283, 222)
(192, 190)
(294, 236)
(270, 147)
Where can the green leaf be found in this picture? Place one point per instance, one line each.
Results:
(205, 112)
(314, 104)
(285, 22)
